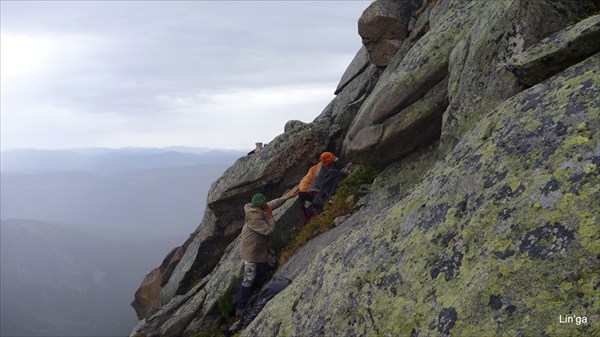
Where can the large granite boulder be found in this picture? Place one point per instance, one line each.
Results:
(408, 79)
(479, 80)
(468, 42)
(346, 104)
(418, 124)
(383, 26)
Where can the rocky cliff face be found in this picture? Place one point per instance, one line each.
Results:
(482, 118)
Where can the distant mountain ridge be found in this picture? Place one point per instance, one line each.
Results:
(57, 279)
(80, 227)
(111, 161)
(151, 191)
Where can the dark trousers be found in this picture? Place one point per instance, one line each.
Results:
(307, 196)
(254, 275)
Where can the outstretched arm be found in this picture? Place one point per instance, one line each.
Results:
(275, 203)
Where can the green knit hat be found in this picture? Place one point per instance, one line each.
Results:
(258, 199)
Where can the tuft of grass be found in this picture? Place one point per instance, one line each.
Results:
(212, 333)
(225, 307)
(323, 222)
(591, 8)
(350, 185)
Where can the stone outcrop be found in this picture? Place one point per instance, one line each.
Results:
(483, 218)
(408, 78)
(557, 52)
(356, 67)
(383, 26)
(147, 297)
(418, 124)
(479, 78)
(460, 252)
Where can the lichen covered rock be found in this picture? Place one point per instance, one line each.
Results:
(479, 78)
(557, 51)
(416, 125)
(410, 77)
(499, 237)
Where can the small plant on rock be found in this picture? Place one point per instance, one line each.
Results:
(352, 183)
(225, 306)
(341, 205)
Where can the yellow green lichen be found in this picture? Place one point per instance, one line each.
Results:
(514, 185)
(589, 168)
(527, 252)
(576, 140)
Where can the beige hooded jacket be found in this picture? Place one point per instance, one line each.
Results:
(256, 231)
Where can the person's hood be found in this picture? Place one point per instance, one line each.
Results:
(253, 212)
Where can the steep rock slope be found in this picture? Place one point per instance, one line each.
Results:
(483, 220)
(489, 242)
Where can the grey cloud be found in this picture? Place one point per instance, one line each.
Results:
(147, 49)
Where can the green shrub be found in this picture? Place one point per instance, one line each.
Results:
(225, 306)
(350, 185)
(323, 222)
(212, 333)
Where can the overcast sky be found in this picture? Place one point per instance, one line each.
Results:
(152, 73)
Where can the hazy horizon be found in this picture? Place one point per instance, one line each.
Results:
(61, 280)
(195, 149)
(81, 228)
(143, 189)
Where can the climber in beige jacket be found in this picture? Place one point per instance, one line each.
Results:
(258, 226)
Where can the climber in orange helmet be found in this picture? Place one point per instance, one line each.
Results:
(310, 185)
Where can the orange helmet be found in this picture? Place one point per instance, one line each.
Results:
(327, 158)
